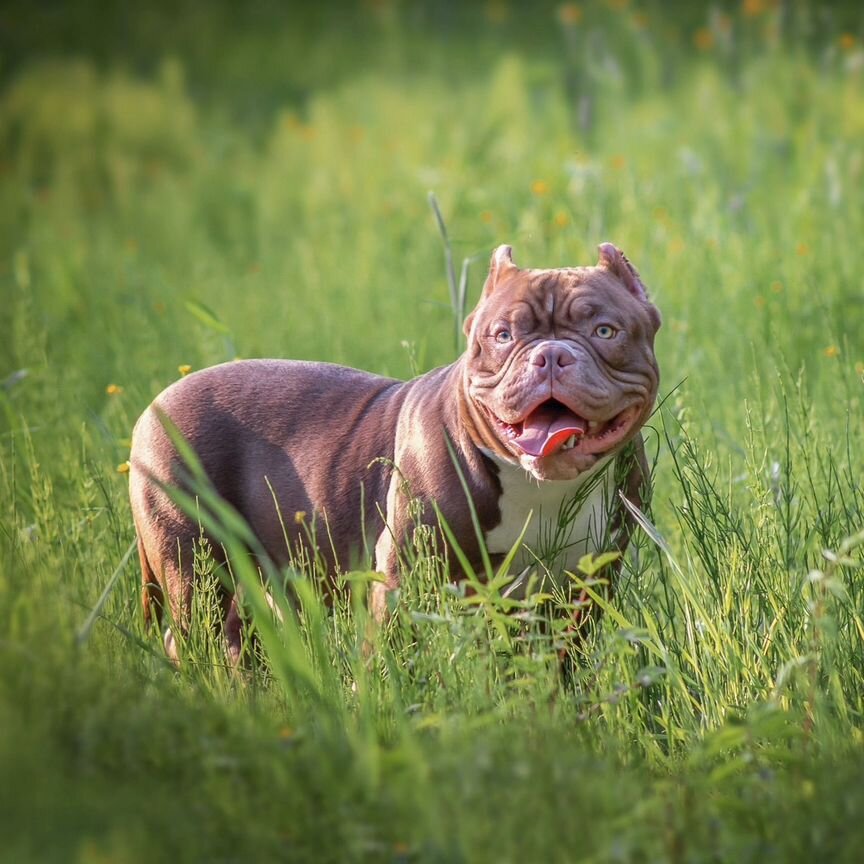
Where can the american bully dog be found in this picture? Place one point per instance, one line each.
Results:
(558, 377)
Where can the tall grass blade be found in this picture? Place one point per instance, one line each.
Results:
(84, 633)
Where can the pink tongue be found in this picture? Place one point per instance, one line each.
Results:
(547, 428)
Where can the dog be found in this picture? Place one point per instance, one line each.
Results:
(557, 380)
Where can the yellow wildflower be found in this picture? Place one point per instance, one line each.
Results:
(123, 468)
(846, 41)
(832, 351)
(540, 187)
(113, 389)
(562, 220)
(300, 517)
(777, 286)
(184, 369)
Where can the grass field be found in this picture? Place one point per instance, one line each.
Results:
(182, 187)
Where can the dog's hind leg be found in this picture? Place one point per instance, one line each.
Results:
(151, 590)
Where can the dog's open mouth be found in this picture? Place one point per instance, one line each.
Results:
(552, 428)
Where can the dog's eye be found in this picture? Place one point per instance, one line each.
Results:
(503, 336)
(605, 331)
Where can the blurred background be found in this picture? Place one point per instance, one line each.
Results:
(271, 162)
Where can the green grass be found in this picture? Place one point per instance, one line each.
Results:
(154, 214)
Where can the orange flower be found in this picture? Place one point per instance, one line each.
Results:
(752, 8)
(540, 187)
(832, 351)
(703, 39)
(846, 41)
(113, 389)
(569, 13)
(676, 246)
(561, 219)
(497, 11)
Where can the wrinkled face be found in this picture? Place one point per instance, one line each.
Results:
(560, 368)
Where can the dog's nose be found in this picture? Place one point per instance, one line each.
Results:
(552, 354)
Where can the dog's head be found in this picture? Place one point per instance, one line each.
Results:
(560, 368)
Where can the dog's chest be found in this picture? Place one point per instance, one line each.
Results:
(567, 519)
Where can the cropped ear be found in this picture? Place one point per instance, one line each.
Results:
(502, 261)
(616, 262)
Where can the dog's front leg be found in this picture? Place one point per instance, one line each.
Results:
(387, 550)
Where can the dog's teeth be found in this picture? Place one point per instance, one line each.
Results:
(570, 443)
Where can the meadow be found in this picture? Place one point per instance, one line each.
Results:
(180, 187)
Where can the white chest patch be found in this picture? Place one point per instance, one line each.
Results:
(567, 520)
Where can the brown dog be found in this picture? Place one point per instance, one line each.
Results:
(558, 376)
